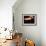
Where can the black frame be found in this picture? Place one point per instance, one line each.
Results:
(33, 23)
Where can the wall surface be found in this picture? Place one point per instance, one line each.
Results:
(29, 32)
(43, 22)
(6, 13)
(6, 16)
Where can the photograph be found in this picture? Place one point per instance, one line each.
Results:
(29, 19)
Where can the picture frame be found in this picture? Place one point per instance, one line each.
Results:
(29, 19)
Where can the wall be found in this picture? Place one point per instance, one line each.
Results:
(29, 32)
(43, 22)
(6, 13)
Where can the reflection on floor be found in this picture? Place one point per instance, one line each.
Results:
(9, 43)
(15, 41)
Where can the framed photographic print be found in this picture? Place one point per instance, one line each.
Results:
(29, 19)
